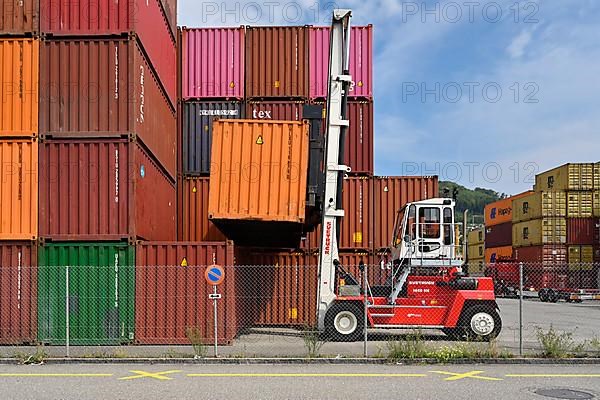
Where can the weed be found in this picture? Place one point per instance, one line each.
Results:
(36, 358)
(412, 347)
(595, 344)
(313, 341)
(194, 335)
(172, 353)
(557, 344)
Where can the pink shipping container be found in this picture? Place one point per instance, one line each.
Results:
(145, 18)
(361, 61)
(212, 63)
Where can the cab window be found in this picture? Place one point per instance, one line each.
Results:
(448, 226)
(429, 221)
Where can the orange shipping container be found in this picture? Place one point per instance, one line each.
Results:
(19, 71)
(19, 189)
(499, 254)
(194, 215)
(500, 211)
(258, 181)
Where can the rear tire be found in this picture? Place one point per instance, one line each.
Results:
(552, 296)
(543, 295)
(344, 322)
(480, 322)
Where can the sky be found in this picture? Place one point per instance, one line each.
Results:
(483, 93)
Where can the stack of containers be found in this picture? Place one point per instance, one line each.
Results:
(476, 250)
(19, 63)
(107, 157)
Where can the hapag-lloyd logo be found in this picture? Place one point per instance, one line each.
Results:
(328, 229)
(499, 212)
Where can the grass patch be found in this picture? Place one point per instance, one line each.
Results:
(194, 335)
(313, 342)
(557, 344)
(32, 358)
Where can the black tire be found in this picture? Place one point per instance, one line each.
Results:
(543, 295)
(552, 296)
(476, 323)
(342, 315)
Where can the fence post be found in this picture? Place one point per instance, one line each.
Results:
(521, 309)
(363, 269)
(67, 310)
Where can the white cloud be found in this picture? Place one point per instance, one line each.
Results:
(517, 46)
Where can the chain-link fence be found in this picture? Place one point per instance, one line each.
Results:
(271, 311)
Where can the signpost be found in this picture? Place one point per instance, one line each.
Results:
(215, 274)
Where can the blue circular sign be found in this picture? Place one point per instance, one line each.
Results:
(143, 171)
(214, 275)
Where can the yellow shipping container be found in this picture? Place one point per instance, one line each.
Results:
(597, 176)
(476, 266)
(540, 205)
(476, 236)
(477, 251)
(579, 204)
(596, 203)
(581, 258)
(566, 177)
(539, 232)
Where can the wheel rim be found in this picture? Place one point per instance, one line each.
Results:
(482, 324)
(345, 322)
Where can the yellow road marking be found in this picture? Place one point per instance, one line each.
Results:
(472, 375)
(302, 375)
(55, 375)
(154, 375)
(553, 376)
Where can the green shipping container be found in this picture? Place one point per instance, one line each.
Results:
(101, 293)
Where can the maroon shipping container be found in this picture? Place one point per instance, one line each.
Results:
(275, 110)
(105, 88)
(170, 9)
(194, 214)
(19, 17)
(498, 235)
(548, 256)
(18, 293)
(172, 293)
(144, 18)
(357, 224)
(103, 190)
(583, 231)
(277, 62)
(390, 195)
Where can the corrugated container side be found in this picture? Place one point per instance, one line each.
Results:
(476, 236)
(538, 232)
(103, 190)
(275, 110)
(580, 204)
(258, 181)
(357, 224)
(548, 256)
(390, 195)
(196, 226)
(501, 211)
(170, 9)
(18, 292)
(18, 189)
(596, 176)
(567, 177)
(19, 17)
(19, 71)
(499, 235)
(277, 62)
(197, 120)
(213, 63)
(105, 88)
(540, 205)
(172, 292)
(101, 293)
(144, 18)
(476, 252)
(581, 258)
(361, 61)
(596, 203)
(499, 254)
(583, 231)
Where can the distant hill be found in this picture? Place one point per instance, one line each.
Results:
(473, 200)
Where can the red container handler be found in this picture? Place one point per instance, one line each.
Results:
(498, 235)
(103, 190)
(18, 292)
(92, 87)
(19, 17)
(143, 18)
(583, 231)
(172, 292)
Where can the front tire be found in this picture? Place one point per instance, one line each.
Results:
(480, 322)
(344, 322)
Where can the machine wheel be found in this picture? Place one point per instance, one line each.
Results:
(543, 295)
(481, 323)
(344, 322)
(552, 296)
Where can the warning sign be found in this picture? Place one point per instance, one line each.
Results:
(184, 262)
(194, 190)
(260, 140)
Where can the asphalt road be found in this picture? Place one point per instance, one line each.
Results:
(322, 382)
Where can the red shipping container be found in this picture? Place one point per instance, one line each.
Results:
(361, 61)
(583, 231)
(105, 88)
(277, 62)
(170, 9)
(194, 214)
(172, 293)
(275, 110)
(18, 293)
(391, 194)
(103, 190)
(19, 17)
(498, 235)
(548, 256)
(212, 62)
(357, 224)
(144, 18)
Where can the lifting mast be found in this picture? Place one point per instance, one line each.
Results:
(340, 83)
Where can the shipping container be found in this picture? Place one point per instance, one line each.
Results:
(196, 226)
(501, 211)
(277, 62)
(172, 292)
(499, 235)
(357, 224)
(567, 177)
(103, 190)
(540, 205)
(101, 293)
(212, 63)
(284, 110)
(579, 204)
(170, 9)
(547, 256)
(540, 232)
(105, 88)
(583, 231)
(585, 279)
(19, 17)
(581, 258)
(258, 181)
(19, 71)
(476, 267)
(18, 189)
(391, 194)
(475, 252)
(18, 292)
(596, 203)
(597, 176)
(361, 61)
(499, 254)
(476, 236)
(197, 120)
(143, 18)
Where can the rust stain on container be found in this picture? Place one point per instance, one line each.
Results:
(103, 190)
(258, 181)
(18, 189)
(19, 71)
(277, 62)
(105, 88)
(196, 226)
(357, 224)
(19, 17)
(172, 292)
